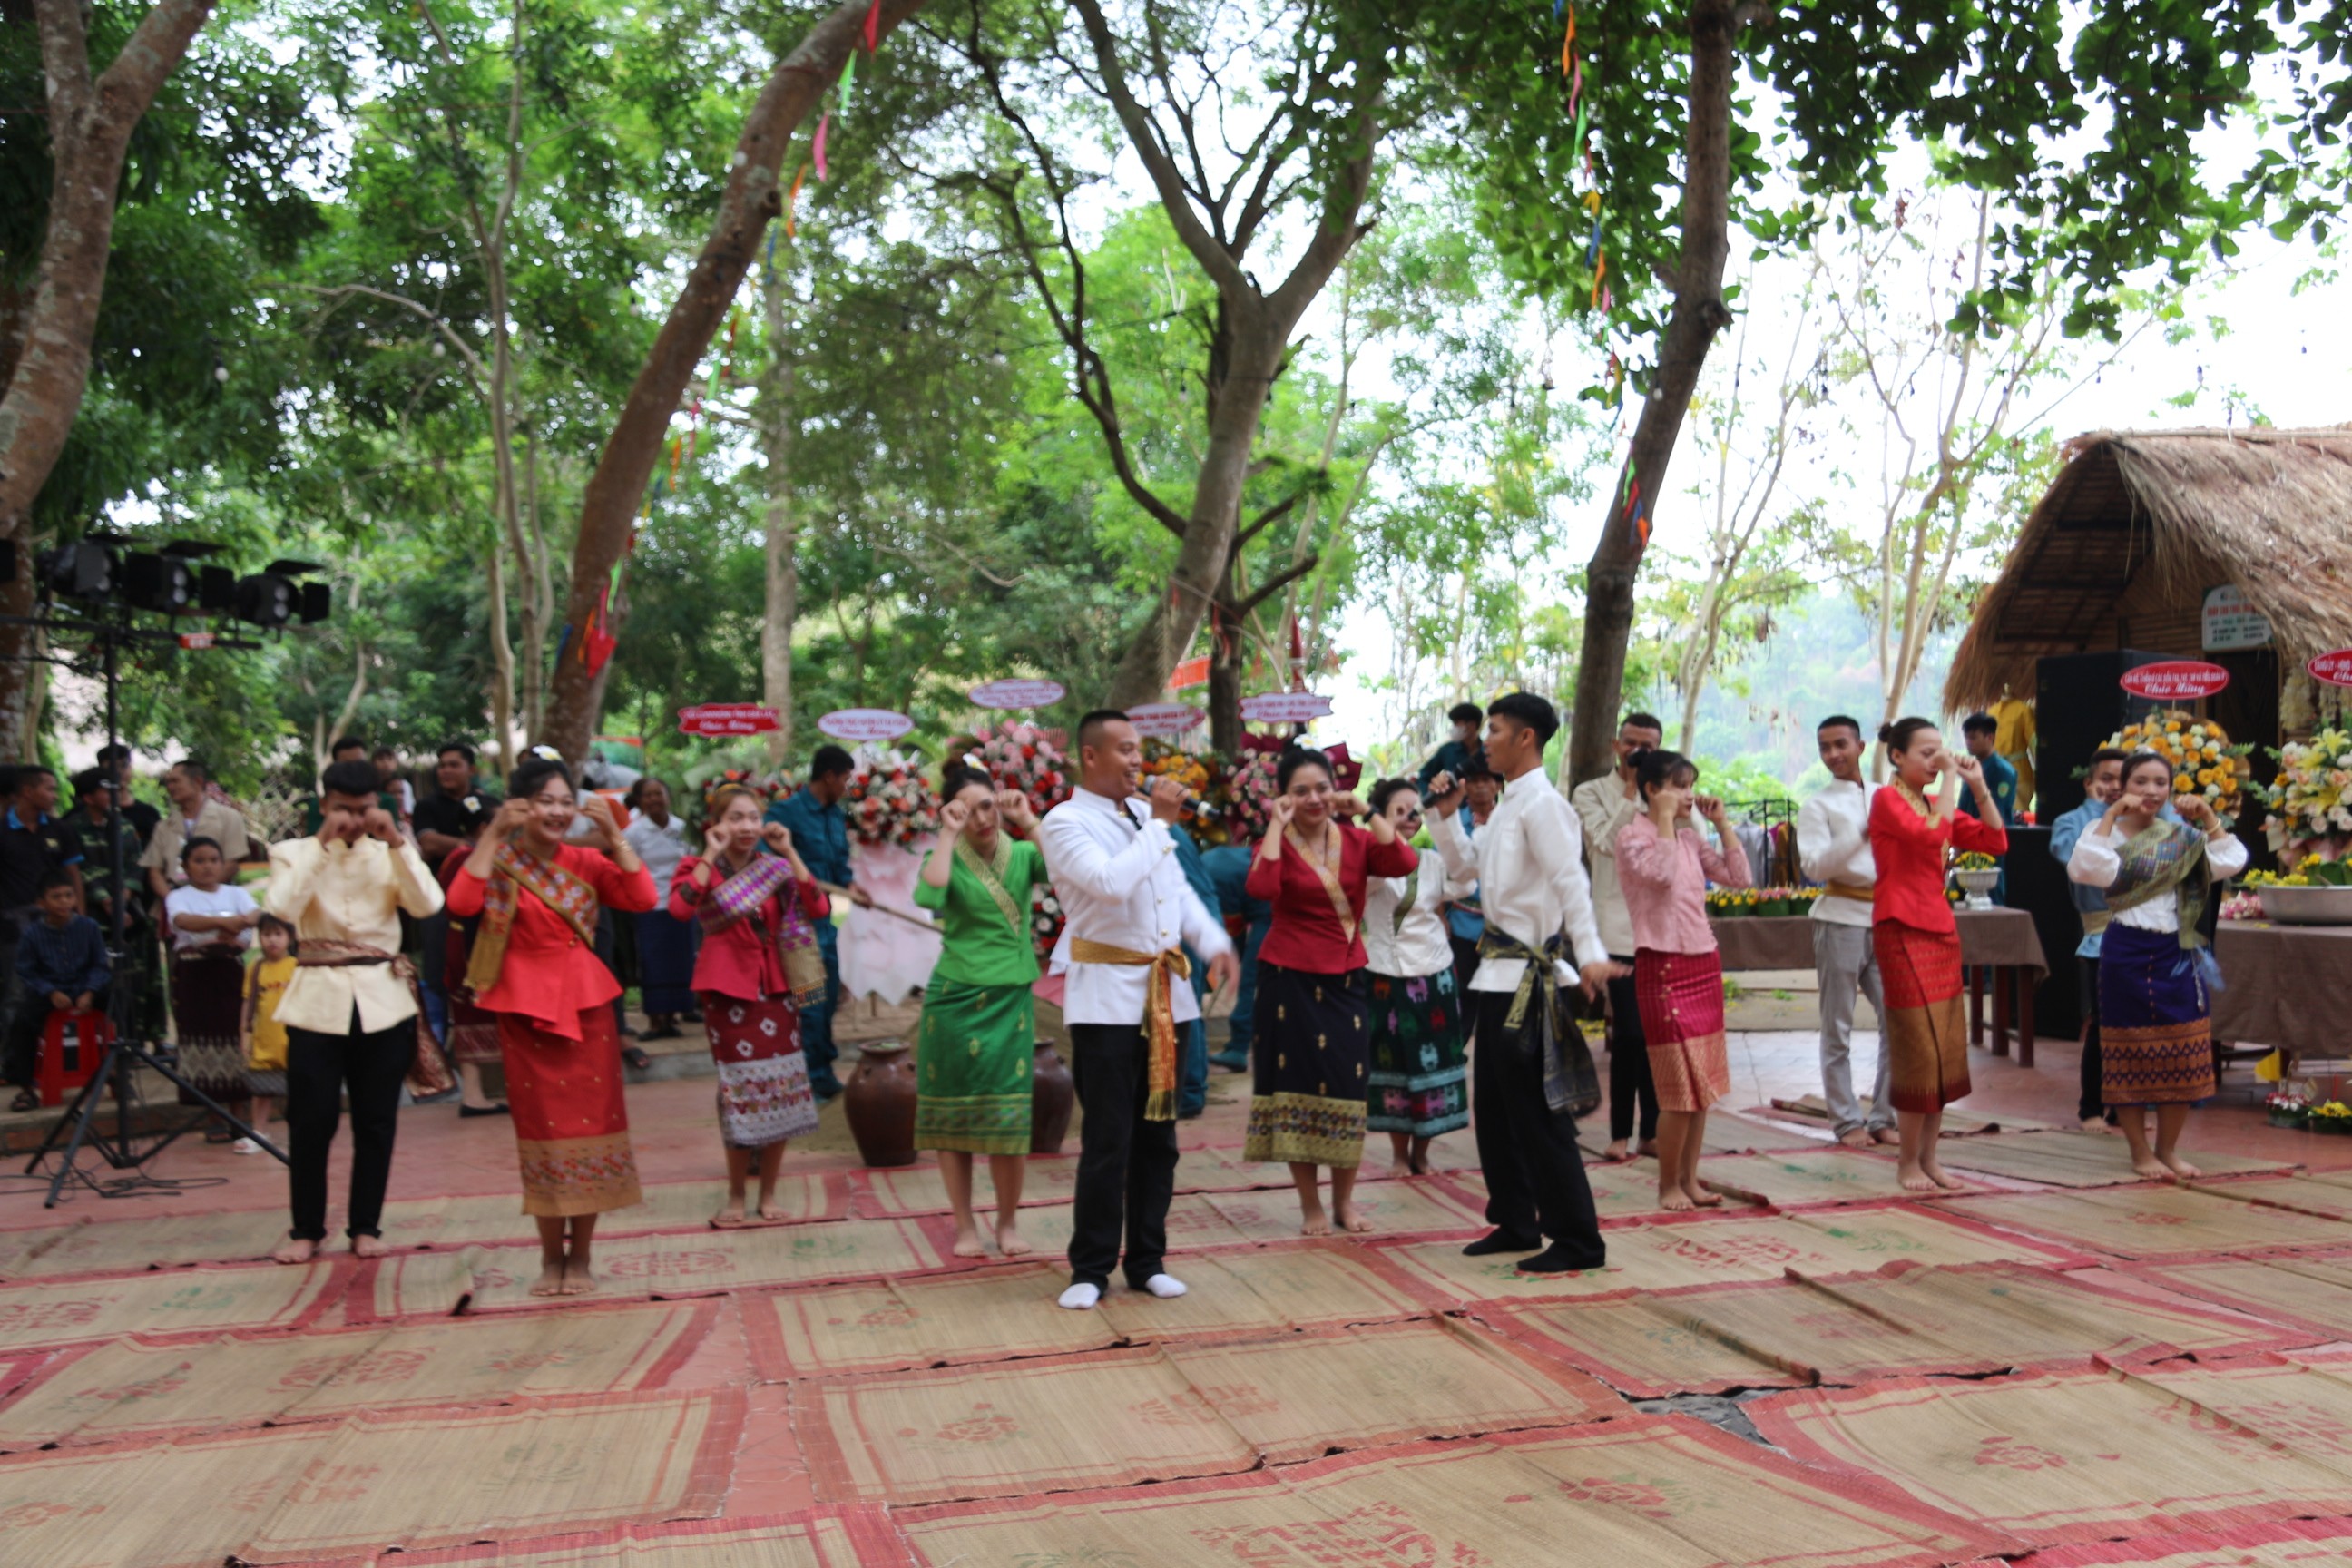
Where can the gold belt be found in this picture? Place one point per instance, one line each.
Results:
(1159, 1013)
(1859, 894)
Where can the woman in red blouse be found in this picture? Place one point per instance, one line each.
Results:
(1314, 1036)
(1912, 933)
(759, 965)
(534, 964)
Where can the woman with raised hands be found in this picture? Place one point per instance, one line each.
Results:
(1419, 1085)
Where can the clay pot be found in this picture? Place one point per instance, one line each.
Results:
(1052, 1095)
(879, 1100)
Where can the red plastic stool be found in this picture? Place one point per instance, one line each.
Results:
(72, 1043)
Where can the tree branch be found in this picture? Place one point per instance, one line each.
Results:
(1276, 583)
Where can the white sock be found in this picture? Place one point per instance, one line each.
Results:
(1167, 1286)
(1082, 1298)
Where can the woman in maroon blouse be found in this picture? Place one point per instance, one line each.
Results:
(1313, 1037)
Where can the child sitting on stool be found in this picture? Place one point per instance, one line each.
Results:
(61, 963)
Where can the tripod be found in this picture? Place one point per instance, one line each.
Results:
(116, 1068)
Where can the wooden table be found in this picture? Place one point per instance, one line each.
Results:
(2287, 986)
(1996, 944)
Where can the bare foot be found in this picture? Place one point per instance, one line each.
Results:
(1647, 1149)
(1352, 1218)
(551, 1279)
(968, 1241)
(2180, 1167)
(1915, 1179)
(1620, 1149)
(1942, 1178)
(368, 1247)
(1313, 1222)
(770, 1212)
(1855, 1138)
(1885, 1136)
(1673, 1199)
(2095, 1124)
(1400, 1170)
(1009, 1242)
(729, 1216)
(295, 1249)
(2151, 1168)
(1702, 1198)
(578, 1279)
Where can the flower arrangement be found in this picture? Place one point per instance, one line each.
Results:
(2312, 871)
(2287, 1108)
(2243, 907)
(890, 802)
(1975, 860)
(2312, 797)
(1019, 755)
(2333, 1116)
(1045, 919)
(2203, 760)
(1249, 790)
(1732, 904)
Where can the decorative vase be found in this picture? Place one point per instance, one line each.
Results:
(1052, 1095)
(1979, 885)
(879, 1100)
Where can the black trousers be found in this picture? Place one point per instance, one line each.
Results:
(1527, 1152)
(1466, 960)
(1629, 1064)
(2092, 1101)
(319, 1068)
(1126, 1166)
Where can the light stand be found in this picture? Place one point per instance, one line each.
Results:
(109, 630)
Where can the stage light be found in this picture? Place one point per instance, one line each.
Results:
(217, 590)
(317, 603)
(82, 570)
(165, 583)
(266, 599)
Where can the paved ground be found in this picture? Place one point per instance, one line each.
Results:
(1822, 1375)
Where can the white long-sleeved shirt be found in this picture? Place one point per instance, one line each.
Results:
(1417, 946)
(1529, 864)
(2098, 858)
(1115, 871)
(1834, 845)
(335, 891)
(1603, 809)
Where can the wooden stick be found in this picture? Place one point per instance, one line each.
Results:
(881, 908)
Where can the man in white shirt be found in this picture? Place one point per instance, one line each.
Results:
(1834, 848)
(349, 1011)
(1604, 805)
(1130, 914)
(1531, 1075)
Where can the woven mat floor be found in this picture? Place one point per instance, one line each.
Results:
(2013, 1373)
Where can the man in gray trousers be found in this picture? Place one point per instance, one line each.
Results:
(1833, 846)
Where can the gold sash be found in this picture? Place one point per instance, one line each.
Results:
(2095, 921)
(1327, 871)
(1860, 894)
(1159, 1013)
(990, 873)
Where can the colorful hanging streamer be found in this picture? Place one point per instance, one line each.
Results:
(849, 81)
(874, 26)
(792, 199)
(824, 126)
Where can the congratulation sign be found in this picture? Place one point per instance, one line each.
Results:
(2232, 622)
(1018, 694)
(1164, 717)
(1285, 707)
(2175, 680)
(865, 724)
(2336, 668)
(728, 719)
(1191, 673)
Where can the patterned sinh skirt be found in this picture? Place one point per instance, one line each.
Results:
(572, 1125)
(1680, 995)
(1927, 1033)
(473, 1031)
(207, 1018)
(2155, 1026)
(1311, 1062)
(1419, 1083)
(763, 1084)
(972, 1059)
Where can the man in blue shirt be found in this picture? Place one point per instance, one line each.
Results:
(2101, 785)
(1453, 757)
(820, 832)
(1228, 866)
(1192, 1053)
(1464, 922)
(1980, 730)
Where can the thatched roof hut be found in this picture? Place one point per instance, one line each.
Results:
(2138, 525)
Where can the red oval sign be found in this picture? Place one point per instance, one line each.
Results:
(2336, 668)
(1164, 717)
(2175, 680)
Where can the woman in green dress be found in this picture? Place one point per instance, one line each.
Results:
(973, 1050)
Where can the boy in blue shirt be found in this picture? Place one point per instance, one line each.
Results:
(62, 965)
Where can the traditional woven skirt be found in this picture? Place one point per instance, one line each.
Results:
(972, 1057)
(473, 1031)
(1312, 1061)
(763, 1084)
(571, 1126)
(2155, 1026)
(1419, 1083)
(664, 962)
(1680, 995)
(1926, 1034)
(207, 1018)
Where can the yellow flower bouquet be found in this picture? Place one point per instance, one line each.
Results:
(2204, 760)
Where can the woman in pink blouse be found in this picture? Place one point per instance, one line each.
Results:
(1664, 865)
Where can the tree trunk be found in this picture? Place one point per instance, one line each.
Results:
(1225, 654)
(89, 124)
(1698, 314)
(753, 198)
(502, 686)
(782, 526)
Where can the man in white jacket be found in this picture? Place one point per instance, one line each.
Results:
(1833, 848)
(1129, 914)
